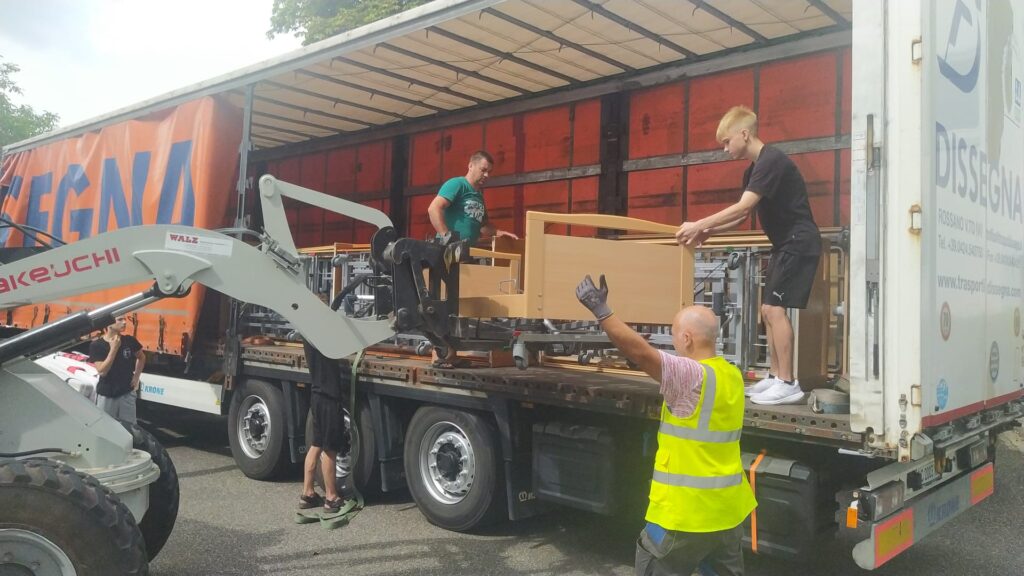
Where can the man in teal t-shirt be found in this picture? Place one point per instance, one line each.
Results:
(459, 204)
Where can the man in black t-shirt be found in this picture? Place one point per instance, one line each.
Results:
(328, 430)
(119, 359)
(773, 185)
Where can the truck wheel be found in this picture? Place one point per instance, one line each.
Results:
(453, 468)
(159, 520)
(256, 430)
(57, 520)
(359, 464)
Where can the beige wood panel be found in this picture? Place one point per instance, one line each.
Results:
(478, 280)
(812, 329)
(647, 284)
(493, 306)
(606, 221)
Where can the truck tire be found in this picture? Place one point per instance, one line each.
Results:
(453, 468)
(65, 520)
(358, 467)
(256, 430)
(157, 524)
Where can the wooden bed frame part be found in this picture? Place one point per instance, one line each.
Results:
(648, 283)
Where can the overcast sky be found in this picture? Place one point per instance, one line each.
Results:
(84, 58)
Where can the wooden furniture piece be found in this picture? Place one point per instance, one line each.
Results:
(648, 283)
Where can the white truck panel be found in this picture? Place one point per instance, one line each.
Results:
(973, 272)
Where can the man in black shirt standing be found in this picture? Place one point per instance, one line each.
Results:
(119, 359)
(328, 431)
(774, 185)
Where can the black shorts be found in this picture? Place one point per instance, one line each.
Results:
(328, 423)
(789, 280)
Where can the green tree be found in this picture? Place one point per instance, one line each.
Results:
(19, 122)
(314, 20)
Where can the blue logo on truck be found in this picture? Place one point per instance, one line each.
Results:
(968, 79)
(941, 395)
(993, 361)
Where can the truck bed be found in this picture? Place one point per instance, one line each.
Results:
(610, 392)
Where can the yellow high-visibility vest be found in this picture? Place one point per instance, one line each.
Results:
(698, 483)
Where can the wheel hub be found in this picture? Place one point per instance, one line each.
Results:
(26, 553)
(448, 462)
(254, 428)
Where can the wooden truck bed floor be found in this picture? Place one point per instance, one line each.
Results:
(605, 392)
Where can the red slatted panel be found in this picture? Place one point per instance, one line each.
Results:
(501, 206)
(710, 98)
(419, 223)
(847, 110)
(712, 187)
(500, 142)
(656, 195)
(586, 133)
(288, 171)
(363, 231)
(548, 197)
(459, 143)
(818, 170)
(341, 182)
(656, 121)
(372, 169)
(583, 192)
(546, 134)
(312, 174)
(798, 98)
(425, 159)
(844, 187)
(341, 173)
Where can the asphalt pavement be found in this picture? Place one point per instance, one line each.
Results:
(231, 525)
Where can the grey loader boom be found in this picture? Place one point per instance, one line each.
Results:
(85, 452)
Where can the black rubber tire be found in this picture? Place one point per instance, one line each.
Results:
(366, 469)
(484, 503)
(274, 459)
(84, 519)
(157, 524)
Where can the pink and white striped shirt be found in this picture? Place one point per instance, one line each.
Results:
(681, 382)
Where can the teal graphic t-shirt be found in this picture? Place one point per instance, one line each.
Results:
(467, 213)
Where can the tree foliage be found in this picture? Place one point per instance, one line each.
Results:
(19, 122)
(314, 20)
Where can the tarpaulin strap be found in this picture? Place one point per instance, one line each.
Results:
(753, 488)
(353, 415)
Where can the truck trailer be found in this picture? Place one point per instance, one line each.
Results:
(904, 118)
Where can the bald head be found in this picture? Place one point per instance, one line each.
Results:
(694, 331)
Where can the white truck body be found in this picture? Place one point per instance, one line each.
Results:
(937, 231)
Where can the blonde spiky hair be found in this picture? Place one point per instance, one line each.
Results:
(737, 118)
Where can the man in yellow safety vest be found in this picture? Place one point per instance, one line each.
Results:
(699, 494)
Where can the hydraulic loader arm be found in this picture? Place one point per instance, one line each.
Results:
(174, 257)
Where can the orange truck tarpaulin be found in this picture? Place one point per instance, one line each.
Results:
(176, 166)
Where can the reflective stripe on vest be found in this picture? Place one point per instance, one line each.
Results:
(689, 481)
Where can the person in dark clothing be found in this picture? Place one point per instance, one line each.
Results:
(328, 430)
(772, 184)
(119, 359)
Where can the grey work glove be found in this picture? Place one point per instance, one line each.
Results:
(594, 298)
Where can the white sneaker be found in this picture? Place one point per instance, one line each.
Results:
(760, 386)
(780, 393)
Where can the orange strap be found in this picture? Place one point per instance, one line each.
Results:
(753, 514)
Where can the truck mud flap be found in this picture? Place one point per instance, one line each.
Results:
(922, 516)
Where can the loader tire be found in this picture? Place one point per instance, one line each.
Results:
(65, 520)
(157, 524)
